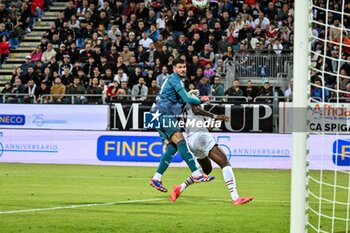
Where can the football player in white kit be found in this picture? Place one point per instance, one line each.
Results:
(204, 148)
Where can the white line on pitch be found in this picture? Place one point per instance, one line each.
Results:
(112, 177)
(79, 206)
(254, 200)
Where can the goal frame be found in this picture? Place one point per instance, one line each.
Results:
(301, 61)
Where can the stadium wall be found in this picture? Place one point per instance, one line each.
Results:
(271, 151)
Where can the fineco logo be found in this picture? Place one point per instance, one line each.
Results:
(341, 152)
(131, 149)
(10, 119)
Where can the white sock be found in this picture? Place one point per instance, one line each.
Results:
(197, 173)
(183, 187)
(230, 180)
(157, 176)
(185, 184)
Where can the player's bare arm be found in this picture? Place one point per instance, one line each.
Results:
(197, 110)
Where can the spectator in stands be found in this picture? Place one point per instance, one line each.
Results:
(3, 31)
(25, 16)
(170, 43)
(24, 67)
(66, 77)
(151, 56)
(289, 92)
(150, 76)
(114, 32)
(343, 76)
(126, 54)
(37, 10)
(160, 78)
(48, 54)
(113, 55)
(83, 79)
(95, 74)
(61, 52)
(70, 10)
(333, 95)
(42, 90)
(108, 76)
(346, 95)
(209, 72)
(197, 77)
(89, 67)
(112, 91)
(18, 88)
(4, 13)
(250, 91)
(6, 90)
(224, 43)
(217, 88)
(30, 89)
(95, 89)
(261, 22)
(318, 92)
(203, 86)
(86, 53)
(228, 55)
(207, 56)
(50, 32)
(139, 91)
(17, 73)
(153, 90)
(126, 90)
(78, 91)
(121, 76)
(36, 54)
(145, 41)
(134, 77)
(121, 63)
(4, 49)
(271, 12)
(235, 90)
(267, 90)
(53, 65)
(31, 75)
(153, 33)
(56, 42)
(94, 41)
(277, 47)
(66, 64)
(47, 77)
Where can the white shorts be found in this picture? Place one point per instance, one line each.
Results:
(200, 144)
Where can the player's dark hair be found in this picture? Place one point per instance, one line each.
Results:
(178, 61)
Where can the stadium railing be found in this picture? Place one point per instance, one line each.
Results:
(72, 98)
(229, 99)
(341, 100)
(259, 67)
(18, 98)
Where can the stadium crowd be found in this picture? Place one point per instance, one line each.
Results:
(125, 49)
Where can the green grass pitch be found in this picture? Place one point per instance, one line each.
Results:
(122, 200)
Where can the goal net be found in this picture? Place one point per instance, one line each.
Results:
(327, 165)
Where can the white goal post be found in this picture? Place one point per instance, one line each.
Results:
(298, 218)
(320, 198)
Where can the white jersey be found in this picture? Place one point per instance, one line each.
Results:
(199, 140)
(194, 123)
